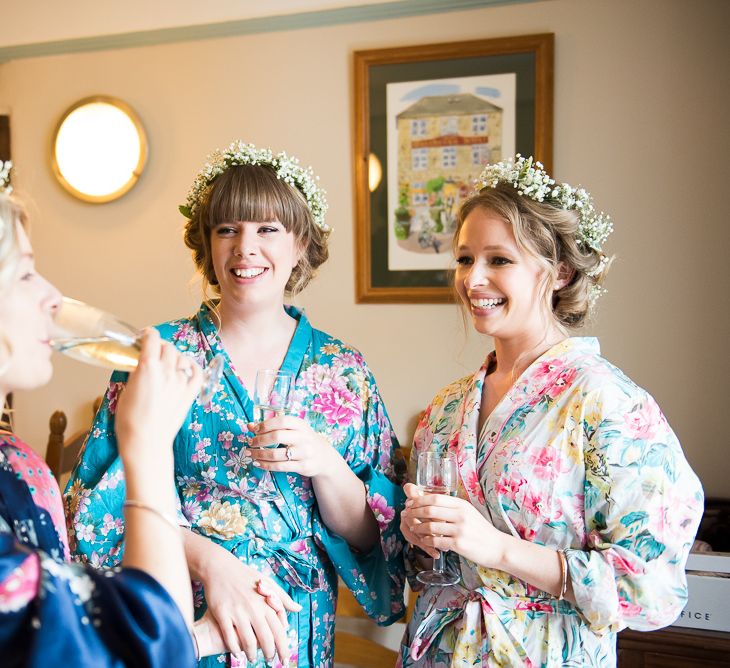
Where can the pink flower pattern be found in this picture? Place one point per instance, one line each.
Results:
(338, 404)
(112, 396)
(563, 466)
(643, 422)
(384, 514)
(21, 586)
(285, 539)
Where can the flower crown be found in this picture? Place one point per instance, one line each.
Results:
(287, 169)
(530, 179)
(5, 186)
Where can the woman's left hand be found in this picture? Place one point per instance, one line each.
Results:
(449, 523)
(305, 451)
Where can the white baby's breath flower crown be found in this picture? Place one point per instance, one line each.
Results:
(287, 169)
(5, 168)
(531, 180)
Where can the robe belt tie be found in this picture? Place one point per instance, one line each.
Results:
(294, 557)
(449, 606)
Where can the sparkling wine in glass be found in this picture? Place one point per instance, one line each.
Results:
(271, 398)
(96, 337)
(437, 474)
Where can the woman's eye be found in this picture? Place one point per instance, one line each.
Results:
(224, 230)
(501, 261)
(267, 229)
(463, 260)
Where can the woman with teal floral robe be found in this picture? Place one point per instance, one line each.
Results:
(286, 538)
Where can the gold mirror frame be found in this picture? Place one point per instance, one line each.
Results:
(136, 173)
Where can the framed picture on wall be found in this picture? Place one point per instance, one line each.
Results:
(4, 137)
(427, 120)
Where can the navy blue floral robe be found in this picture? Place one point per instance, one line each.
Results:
(53, 613)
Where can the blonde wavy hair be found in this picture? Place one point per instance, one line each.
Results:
(11, 213)
(550, 235)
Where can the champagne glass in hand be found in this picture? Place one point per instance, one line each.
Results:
(271, 398)
(437, 474)
(93, 336)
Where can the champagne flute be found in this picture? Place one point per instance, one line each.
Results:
(96, 337)
(437, 474)
(271, 398)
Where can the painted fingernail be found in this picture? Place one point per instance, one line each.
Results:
(264, 588)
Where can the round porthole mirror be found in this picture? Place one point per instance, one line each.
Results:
(99, 149)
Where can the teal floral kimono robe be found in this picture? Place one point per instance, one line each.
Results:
(285, 539)
(574, 457)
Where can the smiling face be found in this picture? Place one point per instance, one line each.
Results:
(252, 262)
(27, 303)
(254, 193)
(499, 283)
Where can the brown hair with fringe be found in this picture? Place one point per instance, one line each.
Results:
(253, 193)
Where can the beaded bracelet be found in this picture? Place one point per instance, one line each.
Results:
(131, 503)
(563, 574)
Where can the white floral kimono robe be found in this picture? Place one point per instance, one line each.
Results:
(576, 457)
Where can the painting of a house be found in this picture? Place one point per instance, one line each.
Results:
(443, 143)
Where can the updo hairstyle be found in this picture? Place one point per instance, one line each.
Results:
(549, 234)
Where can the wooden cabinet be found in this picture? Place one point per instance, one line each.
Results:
(673, 647)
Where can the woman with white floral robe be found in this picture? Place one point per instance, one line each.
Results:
(576, 457)
(576, 508)
(286, 538)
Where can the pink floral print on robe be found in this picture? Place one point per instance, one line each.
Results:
(574, 457)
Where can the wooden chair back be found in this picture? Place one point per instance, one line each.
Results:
(61, 453)
(360, 649)
(357, 649)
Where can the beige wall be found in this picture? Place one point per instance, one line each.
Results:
(641, 99)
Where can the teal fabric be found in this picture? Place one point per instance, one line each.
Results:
(286, 539)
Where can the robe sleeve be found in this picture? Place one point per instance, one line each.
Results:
(376, 578)
(96, 490)
(643, 504)
(50, 610)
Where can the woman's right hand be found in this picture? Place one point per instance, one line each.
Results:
(250, 609)
(154, 402)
